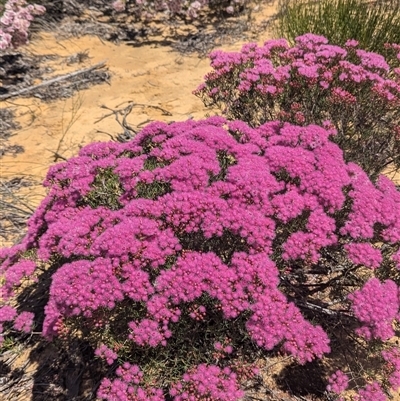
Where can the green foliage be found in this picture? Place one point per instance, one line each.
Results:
(163, 365)
(225, 160)
(371, 23)
(8, 344)
(153, 190)
(106, 190)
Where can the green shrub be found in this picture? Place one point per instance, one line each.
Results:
(372, 24)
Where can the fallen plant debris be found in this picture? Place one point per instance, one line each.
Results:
(63, 84)
(18, 70)
(7, 126)
(14, 209)
(128, 131)
(187, 36)
(204, 40)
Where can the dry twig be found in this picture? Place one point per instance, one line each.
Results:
(128, 131)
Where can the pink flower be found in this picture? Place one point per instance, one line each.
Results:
(106, 353)
(15, 22)
(24, 322)
(365, 254)
(324, 84)
(371, 392)
(351, 43)
(338, 382)
(376, 305)
(392, 357)
(119, 5)
(7, 313)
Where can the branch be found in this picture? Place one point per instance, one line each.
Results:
(321, 309)
(7, 204)
(52, 81)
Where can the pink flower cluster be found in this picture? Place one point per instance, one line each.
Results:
(392, 357)
(106, 353)
(364, 254)
(7, 313)
(15, 274)
(211, 210)
(126, 386)
(24, 322)
(189, 8)
(15, 22)
(338, 382)
(207, 382)
(309, 83)
(376, 305)
(269, 326)
(21, 322)
(371, 392)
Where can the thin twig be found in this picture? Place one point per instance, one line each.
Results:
(74, 117)
(321, 309)
(126, 113)
(57, 155)
(164, 111)
(8, 204)
(52, 81)
(106, 133)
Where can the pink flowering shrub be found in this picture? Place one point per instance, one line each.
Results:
(179, 254)
(15, 20)
(190, 8)
(347, 89)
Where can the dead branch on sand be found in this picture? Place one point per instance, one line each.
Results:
(128, 131)
(52, 81)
